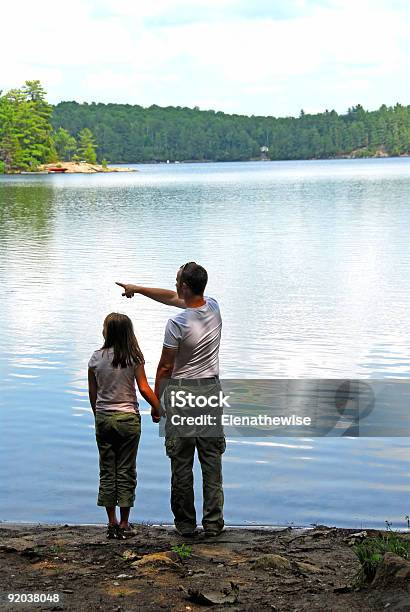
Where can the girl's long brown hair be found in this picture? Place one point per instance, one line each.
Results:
(119, 335)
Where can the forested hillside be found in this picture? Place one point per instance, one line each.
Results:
(33, 132)
(126, 133)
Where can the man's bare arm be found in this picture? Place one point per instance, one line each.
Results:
(164, 296)
(165, 367)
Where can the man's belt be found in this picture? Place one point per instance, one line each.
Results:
(200, 382)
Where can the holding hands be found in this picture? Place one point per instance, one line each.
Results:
(155, 415)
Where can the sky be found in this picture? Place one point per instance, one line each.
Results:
(251, 57)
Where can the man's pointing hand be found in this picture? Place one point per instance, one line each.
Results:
(129, 290)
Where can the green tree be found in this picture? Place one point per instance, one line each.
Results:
(9, 144)
(39, 128)
(65, 144)
(86, 146)
(25, 131)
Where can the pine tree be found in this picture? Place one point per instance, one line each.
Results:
(9, 144)
(65, 144)
(25, 133)
(86, 146)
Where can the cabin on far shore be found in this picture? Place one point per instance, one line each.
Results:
(264, 153)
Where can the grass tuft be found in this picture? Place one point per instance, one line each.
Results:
(183, 551)
(370, 552)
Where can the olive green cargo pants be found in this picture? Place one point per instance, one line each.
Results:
(181, 452)
(118, 435)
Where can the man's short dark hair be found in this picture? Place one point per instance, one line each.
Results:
(195, 276)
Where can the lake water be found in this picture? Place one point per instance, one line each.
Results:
(310, 262)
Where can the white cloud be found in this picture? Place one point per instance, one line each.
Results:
(325, 54)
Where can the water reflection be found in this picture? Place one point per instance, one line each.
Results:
(26, 209)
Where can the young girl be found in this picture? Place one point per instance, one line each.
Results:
(112, 370)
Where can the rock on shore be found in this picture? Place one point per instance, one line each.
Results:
(85, 168)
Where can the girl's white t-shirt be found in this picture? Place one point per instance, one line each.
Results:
(115, 386)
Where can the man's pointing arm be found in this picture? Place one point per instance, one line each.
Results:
(164, 296)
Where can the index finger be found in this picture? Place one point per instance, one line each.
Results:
(120, 284)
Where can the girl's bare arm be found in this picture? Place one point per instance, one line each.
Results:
(92, 389)
(147, 393)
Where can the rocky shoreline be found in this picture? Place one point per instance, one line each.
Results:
(83, 168)
(243, 569)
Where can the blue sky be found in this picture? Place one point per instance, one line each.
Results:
(256, 57)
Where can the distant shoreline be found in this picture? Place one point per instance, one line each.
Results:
(85, 168)
(233, 161)
(258, 159)
(378, 155)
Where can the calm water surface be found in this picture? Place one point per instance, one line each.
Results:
(310, 262)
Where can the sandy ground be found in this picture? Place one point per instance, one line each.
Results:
(306, 570)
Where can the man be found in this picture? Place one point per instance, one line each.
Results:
(191, 352)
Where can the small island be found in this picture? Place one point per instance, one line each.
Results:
(81, 167)
(30, 144)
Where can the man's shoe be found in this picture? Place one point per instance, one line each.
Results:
(112, 532)
(186, 533)
(123, 533)
(213, 533)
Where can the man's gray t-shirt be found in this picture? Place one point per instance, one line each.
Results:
(196, 333)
